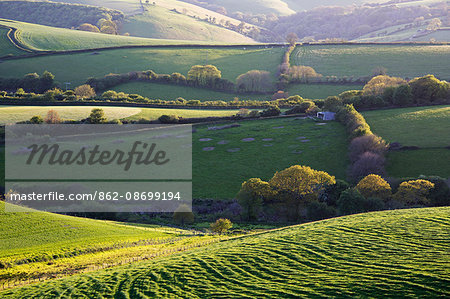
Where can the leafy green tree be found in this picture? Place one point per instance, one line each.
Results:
(374, 186)
(428, 89)
(46, 81)
(251, 196)
(204, 75)
(377, 84)
(221, 225)
(97, 116)
(297, 185)
(37, 119)
(254, 81)
(414, 192)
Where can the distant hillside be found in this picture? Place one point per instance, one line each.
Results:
(397, 254)
(56, 14)
(353, 22)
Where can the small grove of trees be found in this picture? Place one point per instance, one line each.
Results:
(204, 75)
(302, 74)
(88, 27)
(254, 81)
(378, 84)
(29, 83)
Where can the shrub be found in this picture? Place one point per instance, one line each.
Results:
(367, 143)
(374, 186)
(97, 116)
(440, 194)
(295, 110)
(350, 202)
(169, 119)
(414, 192)
(203, 75)
(368, 163)
(52, 117)
(254, 81)
(251, 205)
(221, 225)
(37, 119)
(271, 111)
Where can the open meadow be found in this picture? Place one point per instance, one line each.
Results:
(401, 253)
(79, 67)
(224, 159)
(406, 61)
(13, 114)
(423, 127)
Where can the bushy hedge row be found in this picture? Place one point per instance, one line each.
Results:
(366, 150)
(427, 90)
(29, 83)
(112, 80)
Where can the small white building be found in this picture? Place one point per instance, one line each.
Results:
(326, 115)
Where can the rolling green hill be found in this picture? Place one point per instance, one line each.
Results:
(159, 22)
(44, 38)
(80, 66)
(6, 47)
(400, 253)
(407, 61)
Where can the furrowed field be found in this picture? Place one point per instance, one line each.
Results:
(423, 127)
(359, 60)
(401, 253)
(46, 245)
(224, 159)
(6, 47)
(79, 67)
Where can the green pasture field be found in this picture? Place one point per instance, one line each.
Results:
(399, 253)
(13, 114)
(219, 173)
(6, 47)
(172, 92)
(77, 68)
(155, 113)
(159, 22)
(414, 163)
(319, 91)
(45, 245)
(425, 127)
(45, 38)
(406, 61)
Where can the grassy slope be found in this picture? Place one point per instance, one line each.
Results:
(13, 114)
(39, 37)
(419, 126)
(36, 233)
(219, 173)
(319, 91)
(299, 5)
(426, 127)
(159, 22)
(171, 92)
(402, 253)
(6, 47)
(360, 60)
(79, 67)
